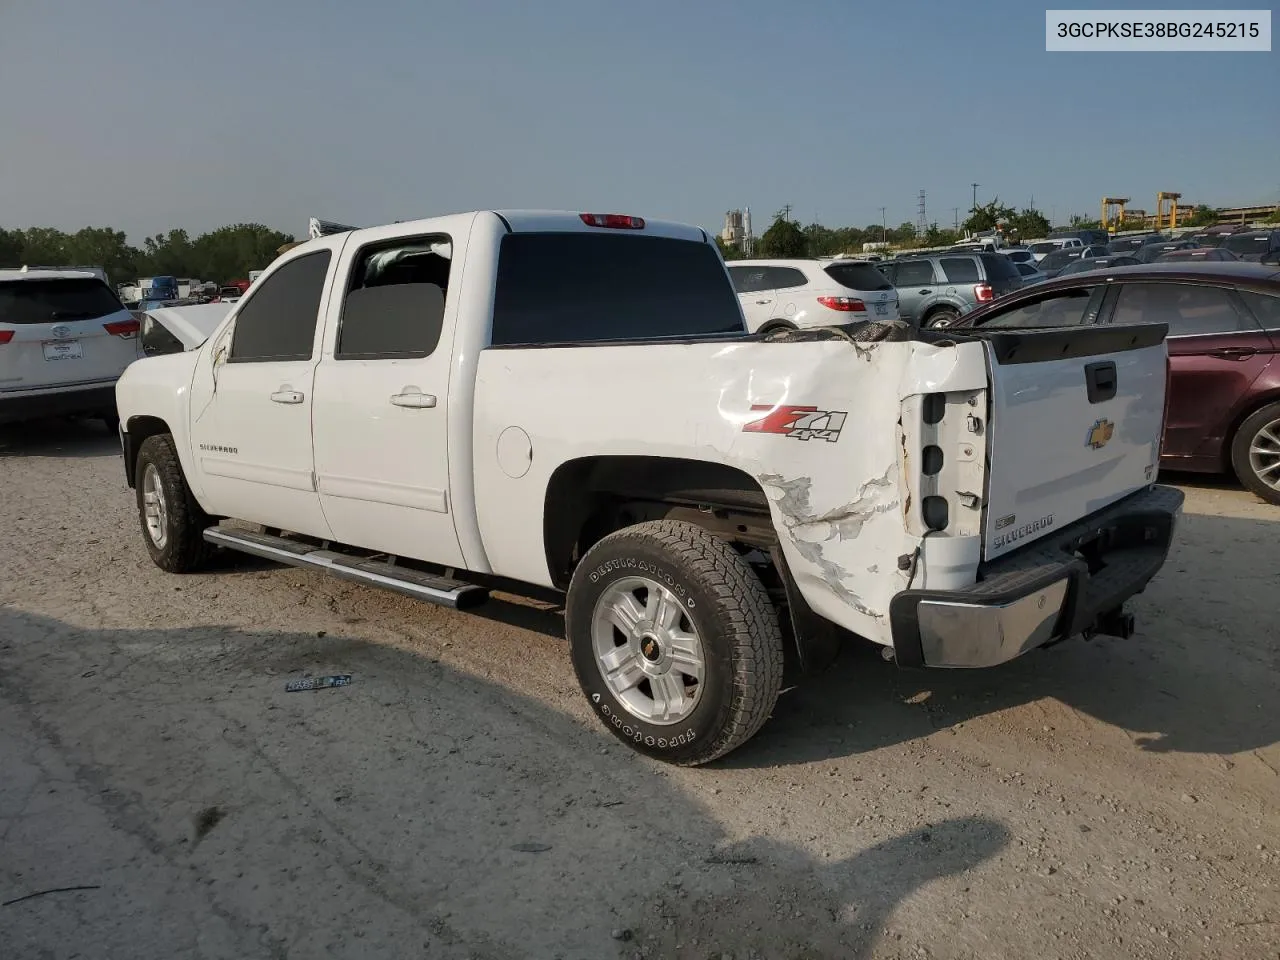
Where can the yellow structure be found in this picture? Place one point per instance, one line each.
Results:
(1172, 209)
(1112, 218)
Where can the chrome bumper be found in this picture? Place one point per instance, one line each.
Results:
(1074, 581)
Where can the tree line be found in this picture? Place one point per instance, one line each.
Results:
(221, 255)
(787, 239)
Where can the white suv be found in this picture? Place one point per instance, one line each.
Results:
(790, 294)
(65, 338)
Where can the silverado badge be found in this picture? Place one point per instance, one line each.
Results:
(1101, 432)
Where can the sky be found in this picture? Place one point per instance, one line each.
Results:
(147, 115)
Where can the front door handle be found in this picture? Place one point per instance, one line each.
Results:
(1234, 353)
(287, 395)
(413, 398)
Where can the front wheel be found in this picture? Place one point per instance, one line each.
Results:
(674, 640)
(1255, 453)
(173, 523)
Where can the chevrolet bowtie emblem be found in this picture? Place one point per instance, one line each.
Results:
(1100, 433)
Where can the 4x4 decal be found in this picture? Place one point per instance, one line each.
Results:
(799, 423)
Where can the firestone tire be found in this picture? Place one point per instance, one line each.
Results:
(674, 641)
(1255, 453)
(172, 522)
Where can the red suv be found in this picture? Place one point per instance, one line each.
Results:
(1224, 334)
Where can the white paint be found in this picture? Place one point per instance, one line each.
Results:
(460, 484)
(798, 303)
(515, 452)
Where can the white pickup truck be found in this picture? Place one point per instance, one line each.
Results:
(545, 400)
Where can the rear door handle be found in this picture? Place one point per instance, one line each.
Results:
(1234, 353)
(925, 291)
(285, 395)
(763, 302)
(413, 398)
(1100, 380)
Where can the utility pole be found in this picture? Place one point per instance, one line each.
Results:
(922, 221)
(884, 227)
(956, 212)
(974, 209)
(786, 212)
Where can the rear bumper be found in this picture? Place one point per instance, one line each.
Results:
(1074, 581)
(97, 400)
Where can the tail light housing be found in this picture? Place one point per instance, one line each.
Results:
(615, 221)
(983, 293)
(124, 329)
(843, 304)
(5, 336)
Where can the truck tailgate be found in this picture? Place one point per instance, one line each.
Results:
(1075, 423)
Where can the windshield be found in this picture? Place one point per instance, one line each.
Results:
(1245, 243)
(48, 301)
(1127, 245)
(1047, 246)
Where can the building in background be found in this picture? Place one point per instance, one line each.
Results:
(737, 230)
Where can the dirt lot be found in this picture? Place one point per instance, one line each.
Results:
(1104, 799)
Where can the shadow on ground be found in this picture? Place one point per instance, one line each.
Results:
(77, 438)
(417, 812)
(1186, 682)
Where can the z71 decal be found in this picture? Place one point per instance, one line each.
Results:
(799, 423)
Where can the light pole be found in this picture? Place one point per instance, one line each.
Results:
(974, 208)
(884, 227)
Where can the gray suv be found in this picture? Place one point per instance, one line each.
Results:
(934, 290)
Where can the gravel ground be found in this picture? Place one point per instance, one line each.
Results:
(1104, 799)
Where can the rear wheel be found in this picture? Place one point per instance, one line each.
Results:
(173, 523)
(674, 640)
(1255, 453)
(942, 317)
(774, 326)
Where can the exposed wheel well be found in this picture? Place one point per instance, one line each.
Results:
(772, 325)
(590, 498)
(938, 308)
(138, 429)
(1230, 439)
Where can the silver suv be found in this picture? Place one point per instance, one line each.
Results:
(934, 290)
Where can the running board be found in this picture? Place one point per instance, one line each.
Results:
(377, 573)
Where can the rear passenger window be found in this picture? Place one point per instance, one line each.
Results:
(784, 278)
(1187, 309)
(749, 279)
(394, 304)
(915, 273)
(1265, 308)
(278, 319)
(960, 269)
(1064, 309)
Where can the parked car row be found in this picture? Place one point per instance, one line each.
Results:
(1224, 336)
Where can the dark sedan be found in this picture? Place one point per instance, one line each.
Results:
(1253, 245)
(1097, 263)
(1153, 251)
(1056, 262)
(1196, 255)
(1131, 245)
(1224, 336)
